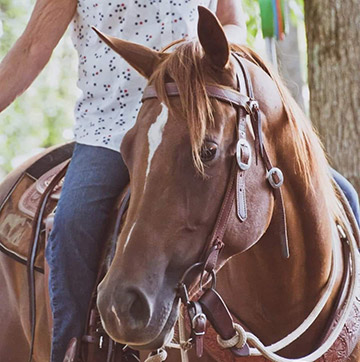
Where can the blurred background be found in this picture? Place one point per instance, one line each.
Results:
(311, 45)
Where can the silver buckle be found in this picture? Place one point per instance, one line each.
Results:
(240, 144)
(194, 321)
(270, 177)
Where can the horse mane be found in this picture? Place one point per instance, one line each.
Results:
(310, 155)
(185, 67)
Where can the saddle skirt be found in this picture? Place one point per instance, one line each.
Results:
(22, 198)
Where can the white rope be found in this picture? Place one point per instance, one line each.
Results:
(173, 345)
(306, 324)
(238, 340)
(267, 351)
(160, 356)
(182, 336)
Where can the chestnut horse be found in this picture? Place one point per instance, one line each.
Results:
(180, 154)
(14, 313)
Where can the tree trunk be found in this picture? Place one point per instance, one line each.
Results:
(332, 28)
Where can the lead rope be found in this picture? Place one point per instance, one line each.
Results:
(184, 343)
(268, 351)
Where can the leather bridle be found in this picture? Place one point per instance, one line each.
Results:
(210, 305)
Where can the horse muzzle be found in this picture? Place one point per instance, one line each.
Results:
(131, 317)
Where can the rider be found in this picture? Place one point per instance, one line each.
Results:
(107, 108)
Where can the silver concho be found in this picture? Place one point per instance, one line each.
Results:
(270, 177)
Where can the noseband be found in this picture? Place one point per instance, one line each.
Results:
(210, 301)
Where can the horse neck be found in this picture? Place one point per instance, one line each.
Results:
(273, 295)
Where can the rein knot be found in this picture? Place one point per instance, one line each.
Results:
(238, 340)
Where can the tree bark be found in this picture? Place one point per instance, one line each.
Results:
(332, 28)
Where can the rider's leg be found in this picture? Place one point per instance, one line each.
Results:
(349, 192)
(93, 181)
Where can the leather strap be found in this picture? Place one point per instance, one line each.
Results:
(243, 155)
(198, 326)
(224, 94)
(33, 252)
(241, 206)
(255, 116)
(215, 244)
(221, 320)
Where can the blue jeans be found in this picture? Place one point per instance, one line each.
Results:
(349, 192)
(93, 182)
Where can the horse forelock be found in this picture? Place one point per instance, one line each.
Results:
(185, 66)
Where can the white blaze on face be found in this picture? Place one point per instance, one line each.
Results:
(155, 136)
(129, 236)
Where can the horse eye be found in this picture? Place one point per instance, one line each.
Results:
(208, 151)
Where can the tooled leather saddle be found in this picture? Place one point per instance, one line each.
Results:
(28, 200)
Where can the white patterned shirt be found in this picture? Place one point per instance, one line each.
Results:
(111, 89)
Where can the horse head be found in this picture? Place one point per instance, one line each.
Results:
(180, 154)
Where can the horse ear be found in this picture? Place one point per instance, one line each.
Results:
(143, 59)
(212, 38)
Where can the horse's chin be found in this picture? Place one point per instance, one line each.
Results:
(162, 338)
(166, 334)
(160, 342)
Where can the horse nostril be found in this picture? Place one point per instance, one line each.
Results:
(135, 309)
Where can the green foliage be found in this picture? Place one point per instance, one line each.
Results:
(253, 22)
(38, 118)
(296, 8)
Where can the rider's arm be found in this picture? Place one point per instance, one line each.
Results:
(33, 49)
(232, 18)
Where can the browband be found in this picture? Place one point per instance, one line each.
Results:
(224, 94)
